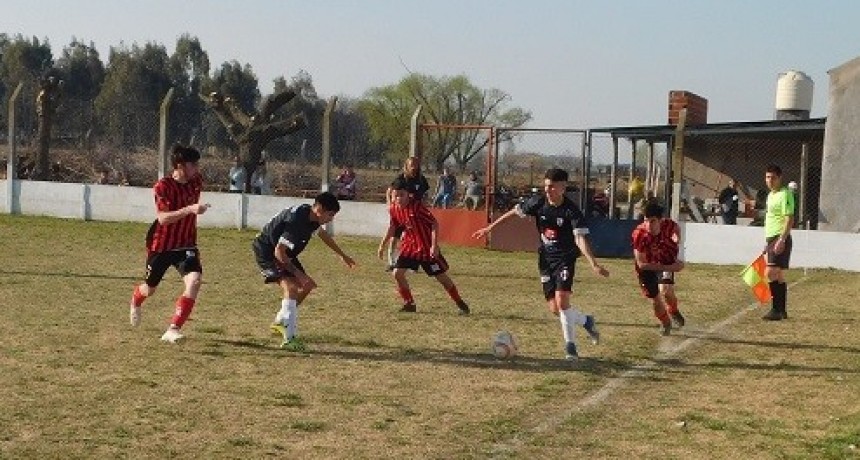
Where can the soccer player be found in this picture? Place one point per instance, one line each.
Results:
(172, 239)
(563, 236)
(277, 248)
(418, 247)
(416, 185)
(655, 251)
(778, 221)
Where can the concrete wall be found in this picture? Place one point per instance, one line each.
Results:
(839, 206)
(704, 243)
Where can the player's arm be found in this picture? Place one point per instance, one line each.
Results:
(380, 252)
(481, 232)
(643, 264)
(580, 236)
(332, 244)
(169, 217)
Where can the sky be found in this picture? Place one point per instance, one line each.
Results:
(571, 63)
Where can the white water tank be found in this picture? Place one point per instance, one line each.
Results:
(793, 95)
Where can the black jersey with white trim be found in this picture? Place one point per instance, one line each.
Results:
(556, 225)
(292, 227)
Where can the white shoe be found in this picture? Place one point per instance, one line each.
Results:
(172, 335)
(134, 315)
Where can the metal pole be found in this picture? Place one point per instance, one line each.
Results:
(585, 151)
(801, 192)
(328, 117)
(613, 178)
(12, 162)
(164, 166)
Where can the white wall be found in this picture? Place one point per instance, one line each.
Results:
(703, 243)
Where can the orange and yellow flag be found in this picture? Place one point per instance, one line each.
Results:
(753, 275)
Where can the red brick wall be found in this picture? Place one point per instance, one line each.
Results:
(697, 107)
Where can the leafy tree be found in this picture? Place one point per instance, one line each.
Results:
(189, 72)
(136, 82)
(83, 73)
(445, 100)
(24, 61)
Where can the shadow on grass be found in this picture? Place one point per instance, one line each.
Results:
(68, 275)
(600, 367)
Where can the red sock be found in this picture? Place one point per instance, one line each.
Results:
(137, 297)
(405, 294)
(184, 305)
(663, 317)
(455, 296)
(672, 306)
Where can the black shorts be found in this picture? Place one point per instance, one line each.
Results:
(556, 272)
(782, 259)
(650, 279)
(184, 260)
(431, 267)
(269, 269)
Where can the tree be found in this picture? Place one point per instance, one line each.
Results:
(24, 61)
(82, 71)
(127, 106)
(252, 130)
(189, 72)
(445, 100)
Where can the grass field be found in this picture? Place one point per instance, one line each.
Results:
(78, 382)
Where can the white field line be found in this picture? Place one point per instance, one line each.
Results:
(664, 351)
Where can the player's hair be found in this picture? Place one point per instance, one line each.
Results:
(774, 169)
(181, 154)
(327, 201)
(653, 210)
(556, 175)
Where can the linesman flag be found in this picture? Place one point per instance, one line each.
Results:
(753, 275)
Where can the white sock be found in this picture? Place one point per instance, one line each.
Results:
(289, 316)
(568, 321)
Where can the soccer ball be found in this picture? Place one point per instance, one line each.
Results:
(504, 345)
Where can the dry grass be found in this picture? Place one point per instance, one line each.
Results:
(77, 382)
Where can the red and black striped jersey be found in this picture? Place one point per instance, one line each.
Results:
(171, 195)
(417, 223)
(661, 248)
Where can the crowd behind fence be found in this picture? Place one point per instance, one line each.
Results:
(611, 173)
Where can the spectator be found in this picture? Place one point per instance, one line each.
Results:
(729, 203)
(446, 187)
(238, 175)
(261, 181)
(473, 192)
(346, 184)
(636, 189)
(103, 177)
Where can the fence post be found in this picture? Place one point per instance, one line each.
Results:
(415, 145)
(12, 162)
(613, 178)
(164, 166)
(328, 116)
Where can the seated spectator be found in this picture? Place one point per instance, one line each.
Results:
(346, 184)
(473, 192)
(237, 176)
(261, 181)
(446, 187)
(103, 177)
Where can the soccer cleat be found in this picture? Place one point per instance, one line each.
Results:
(172, 335)
(464, 308)
(774, 315)
(570, 352)
(666, 328)
(678, 319)
(591, 328)
(134, 313)
(408, 307)
(293, 344)
(278, 329)
(389, 268)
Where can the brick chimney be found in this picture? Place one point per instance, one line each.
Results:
(697, 107)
